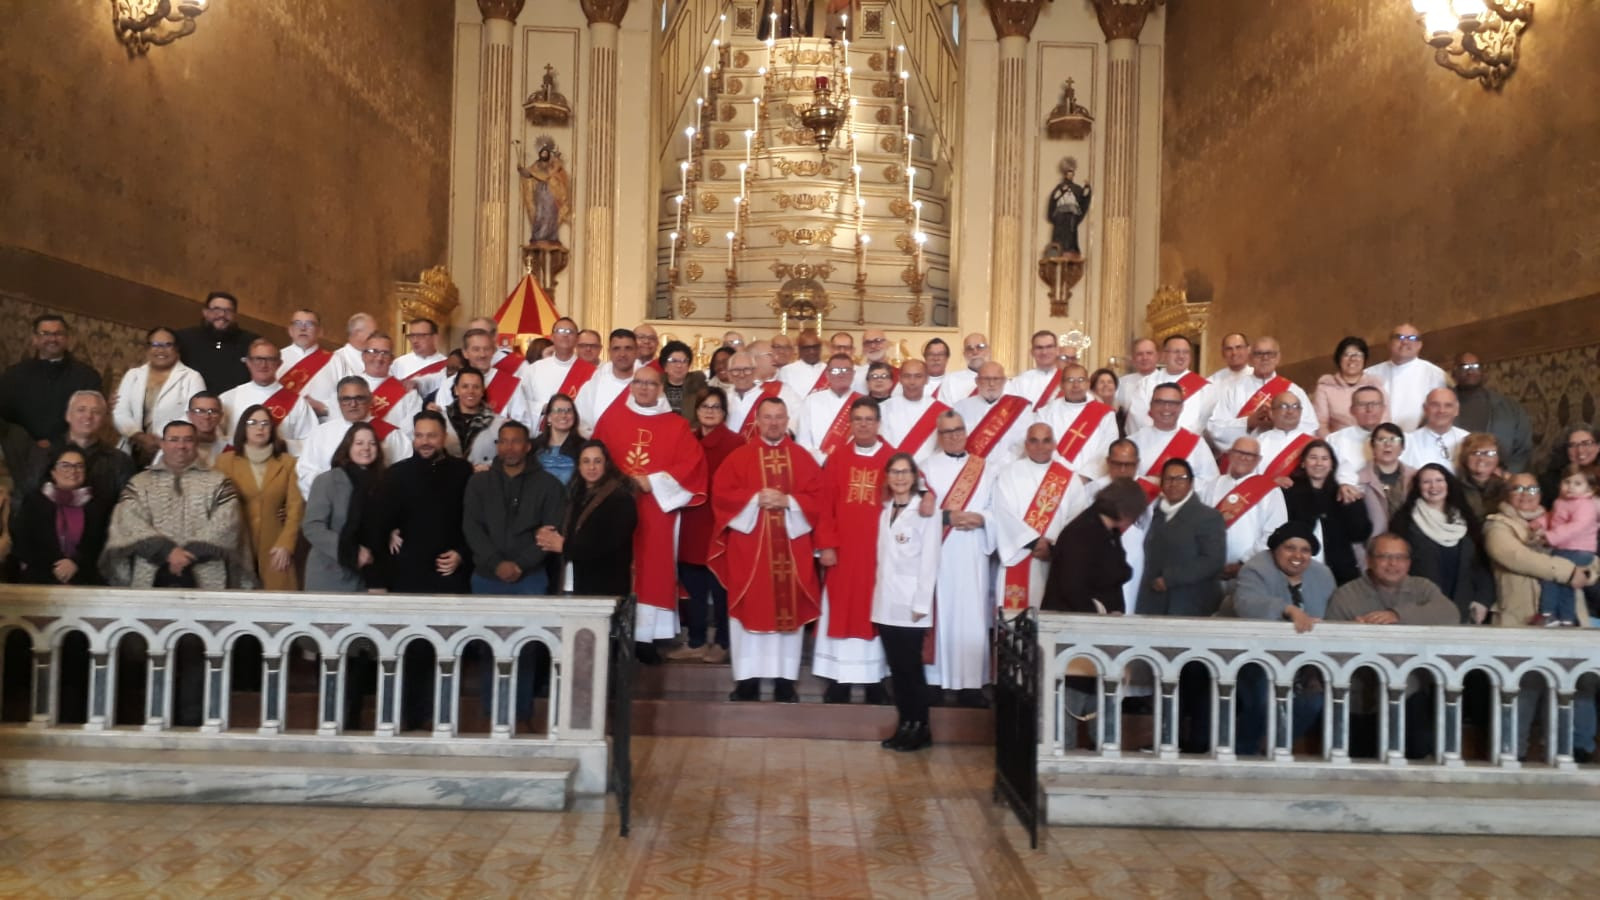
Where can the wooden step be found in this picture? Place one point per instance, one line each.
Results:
(807, 719)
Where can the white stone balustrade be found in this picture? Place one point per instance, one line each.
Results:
(574, 630)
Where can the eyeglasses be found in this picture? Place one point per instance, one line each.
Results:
(563, 411)
(1406, 339)
(564, 331)
(878, 376)
(162, 345)
(834, 370)
(677, 361)
(742, 370)
(378, 354)
(65, 466)
(712, 407)
(1469, 367)
(1176, 478)
(1392, 557)
(1075, 380)
(354, 401)
(202, 411)
(637, 382)
(1581, 445)
(1531, 489)
(1287, 406)
(589, 346)
(874, 341)
(303, 323)
(1367, 404)
(959, 429)
(261, 359)
(1155, 403)
(1487, 454)
(257, 423)
(974, 348)
(1387, 441)
(1263, 354)
(906, 472)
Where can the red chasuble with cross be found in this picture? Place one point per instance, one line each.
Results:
(1083, 428)
(771, 582)
(648, 445)
(852, 505)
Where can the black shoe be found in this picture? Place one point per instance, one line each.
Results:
(746, 691)
(783, 691)
(916, 738)
(973, 698)
(893, 741)
(647, 654)
(1582, 756)
(876, 695)
(836, 693)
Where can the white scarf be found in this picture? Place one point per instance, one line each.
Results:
(1168, 510)
(1443, 529)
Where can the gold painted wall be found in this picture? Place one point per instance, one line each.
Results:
(292, 151)
(1322, 176)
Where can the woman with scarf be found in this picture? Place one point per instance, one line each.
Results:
(340, 511)
(61, 527)
(264, 473)
(1385, 483)
(1446, 543)
(1312, 498)
(1478, 464)
(597, 542)
(473, 424)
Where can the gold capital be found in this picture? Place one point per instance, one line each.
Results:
(500, 9)
(1123, 19)
(609, 12)
(1014, 18)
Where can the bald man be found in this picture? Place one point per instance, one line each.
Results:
(961, 383)
(996, 421)
(1034, 498)
(1143, 356)
(322, 389)
(648, 343)
(1407, 377)
(1439, 437)
(1251, 505)
(1245, 407)
(911, 417)
(782, 349)
(805, 374)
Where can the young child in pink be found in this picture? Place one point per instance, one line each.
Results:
(1571, 530)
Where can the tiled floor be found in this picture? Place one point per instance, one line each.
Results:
(744, 818)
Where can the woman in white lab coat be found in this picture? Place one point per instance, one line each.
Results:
(152, 395)
(902, 600)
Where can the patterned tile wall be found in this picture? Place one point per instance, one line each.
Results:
(111, 347)
(1557, 389)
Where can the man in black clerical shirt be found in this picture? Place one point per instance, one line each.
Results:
(217, 348)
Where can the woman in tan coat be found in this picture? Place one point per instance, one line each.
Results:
(265, 476)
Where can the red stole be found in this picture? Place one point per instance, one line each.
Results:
(748, 429)
(962, 489)
(293, 382)
(578, 374)
(618, 402)
(1244, 496)
(499, 390)
(1191, 384)
(822, 381)
(1181, 445)
(435, 366)
(1288, 457)
(772, 584)
(509, 364)
(924, 426)
(1276, 385)
(839, 428)
(1042, 508)
(1083, 428)
(647, 445)
(852, 507)
(994, 424)
(1051, 388)
(386, 395)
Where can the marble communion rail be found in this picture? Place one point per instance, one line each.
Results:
(215, 760)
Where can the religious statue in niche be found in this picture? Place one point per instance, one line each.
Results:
(547, 202)
(1061, 266)
(546, 106)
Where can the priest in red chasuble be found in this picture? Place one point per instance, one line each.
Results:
(767, 499)
(654, 446)
(847, 649)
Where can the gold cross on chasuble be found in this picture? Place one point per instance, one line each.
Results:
(863, 486)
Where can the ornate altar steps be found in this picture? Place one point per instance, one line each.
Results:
(690, 699)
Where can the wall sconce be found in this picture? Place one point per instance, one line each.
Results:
(141, 23)
(1475, 38)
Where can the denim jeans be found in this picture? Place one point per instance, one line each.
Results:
(1559, 601)
(700, 584)
(1252, 695)
(530, 584)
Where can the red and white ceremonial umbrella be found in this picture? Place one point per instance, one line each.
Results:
(529, 310)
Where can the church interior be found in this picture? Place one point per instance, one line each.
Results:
(1099, 169)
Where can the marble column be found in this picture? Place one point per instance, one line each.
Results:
(1013, 23)
(600, 154)
(495, 105)
(1121, 21)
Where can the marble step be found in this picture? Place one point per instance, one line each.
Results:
(244, 776)
(1318, 804)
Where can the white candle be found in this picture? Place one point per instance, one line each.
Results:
(730, 251)
(683, 180)
(705, 80)
(736, 202)
(688, 138)
(722, 28)
(916, 213)
(748, 134)
(865, 240)
(911, 182)
(772, 31)
(679, 223)
(742, 168)
(672, 254)
(848, 70)
(891, 32)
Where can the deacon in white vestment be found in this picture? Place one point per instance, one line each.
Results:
(1247, 534)
(298, 419)
(991, 387)
(543, 378)
(964, 609)
(1407, 378)
(609, 383)
(747, 392)
(1439, 438)
(1016, 488)
(1227, 425)
(1166, 409)
(1083, 448)
(819, 412)
(1143, 355)
(909, 410)
(316, 454)
(1352, 444)
(1199, 395)
(1039, 384)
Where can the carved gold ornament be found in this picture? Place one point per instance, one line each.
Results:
(889, 143)
(709, 201)
(432, 296)
(139, 24)
(822, 201)
(797, 136)
(741, 59)
(914, 313)
(718, 169)
(694, 271)
(686, 307)
(884, 115)
(1170, 313)
(728, 112)
(1119, 19)
(721, 139)
(899, 207)
(872, 22)
(734, 85)
(594, 9)
(805, 168)
(803, 237)
(875, 62)
(893, 174)
(1479, 39)
(701, 235)
(1069, 120)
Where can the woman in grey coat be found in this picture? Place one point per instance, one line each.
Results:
(337, 513)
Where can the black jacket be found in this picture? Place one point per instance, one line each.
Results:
(503, 513)
(37, 549)
(217, 355)
(1343, 525)
(34, 393)
(1087, 564)
(423, 499)
(601, 552)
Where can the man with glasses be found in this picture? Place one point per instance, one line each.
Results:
(910, 418)
(423, 369)
(782, 350)
(216, 348)
(1199, 395)
(875, 349)
(964, 486)
(589, 346)
(806, 374)
(502, 390)
(1034, 498)
(304, 359)
(1352, 444)
(1164, 439)
(962, 383)
(205, 414)
(1488, 410)
(648, 344)
(823, 424)
(178, 524)
(562, 372)
(1039, 384)
(293, 413)
(1000, 419)
(1086, 426)
(34, 392)
(305, 336)
(1252, 506)
(748, 390)
(1406, 377)
(1246, 406)
(1437, 440)
(85, 420)
(1284, 442)
(354, 402)
(936, 354)
(392, 403)
(655, 448)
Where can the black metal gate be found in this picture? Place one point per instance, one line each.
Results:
(620, 706)
(1016, 719)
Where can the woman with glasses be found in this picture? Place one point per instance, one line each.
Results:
(1576, 446)
(1385, 483)
(152, 395)
(695, 528)
(556, 448)
(902, 598)
(1446, 541)
(1103, 387)
(1312, 499)
(1478, 464)
(264, 472)
(680, 384)
(1334, 391)
(61, 527)
(473, 425)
